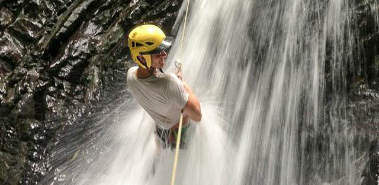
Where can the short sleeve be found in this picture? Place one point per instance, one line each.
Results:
(176, 92)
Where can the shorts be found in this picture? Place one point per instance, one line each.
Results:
(169, 139)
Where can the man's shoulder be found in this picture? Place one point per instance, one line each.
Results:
(172, 81)
(171, 77)
(131, 72)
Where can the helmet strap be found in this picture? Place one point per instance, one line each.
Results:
(142, 61)
(151, 70)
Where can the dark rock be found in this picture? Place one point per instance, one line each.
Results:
(33, 83)
(11, 50)
(39, 12)
(363, 109)
(67, 87)
(5, 68)
(112, 38)
(26, 29)
(80, 47)
(39, 139)
(3, 86)
(73, 73)
(368, 35)
(134, 13)
(371, 171)
(167, 11)
(32, 76)
(4, 166)
(65, 71)
(13, 5)
(94, 85)
(7, 101)
(103, 18)
(79, 93)
(68, 23)
(374, 161)
(57, 65)
(56, 107)
(12, 151)
(6, 17)
(25, 107)
(17, 75)
(73, 60)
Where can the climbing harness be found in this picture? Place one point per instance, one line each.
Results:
(167, 137)
(179, 67)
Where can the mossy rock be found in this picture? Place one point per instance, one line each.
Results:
(4, 167)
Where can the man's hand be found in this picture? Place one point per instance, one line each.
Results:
(179, 74)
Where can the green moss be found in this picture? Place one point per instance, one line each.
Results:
(3, 174)
(377, 61)
(12, 164)
(14, 177)
(24, 127)
(4, 167)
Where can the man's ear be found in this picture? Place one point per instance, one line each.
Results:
(141, 59)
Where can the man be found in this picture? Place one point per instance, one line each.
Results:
(163, 96)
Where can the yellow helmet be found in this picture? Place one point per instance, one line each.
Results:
(146, 40)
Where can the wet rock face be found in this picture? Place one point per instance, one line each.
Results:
(363, 108)
(367, 25)
(363, 98)
(11, 50)
(6, 17)
(57, 58)
(371, 172)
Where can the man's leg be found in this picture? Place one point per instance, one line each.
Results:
(174, 133)
(163, 136)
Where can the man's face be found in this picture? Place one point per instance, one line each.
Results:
(157, 60)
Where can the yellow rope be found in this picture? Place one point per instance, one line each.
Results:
(177, 150)
(181, 114)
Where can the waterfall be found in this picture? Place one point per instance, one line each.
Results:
(265, 63)
(271, 76)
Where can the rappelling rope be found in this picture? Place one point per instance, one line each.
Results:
(179, 67)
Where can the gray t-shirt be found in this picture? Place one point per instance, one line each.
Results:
(162, 97)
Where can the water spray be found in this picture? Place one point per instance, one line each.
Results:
(178, 65)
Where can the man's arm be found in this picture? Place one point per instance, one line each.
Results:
(192, 108)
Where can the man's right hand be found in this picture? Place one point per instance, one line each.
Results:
(179, 74)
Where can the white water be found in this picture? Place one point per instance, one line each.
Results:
(131, 154)
(258, 68)
(264, 62)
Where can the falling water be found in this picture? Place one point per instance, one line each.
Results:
(258, 68)
(265, 62)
